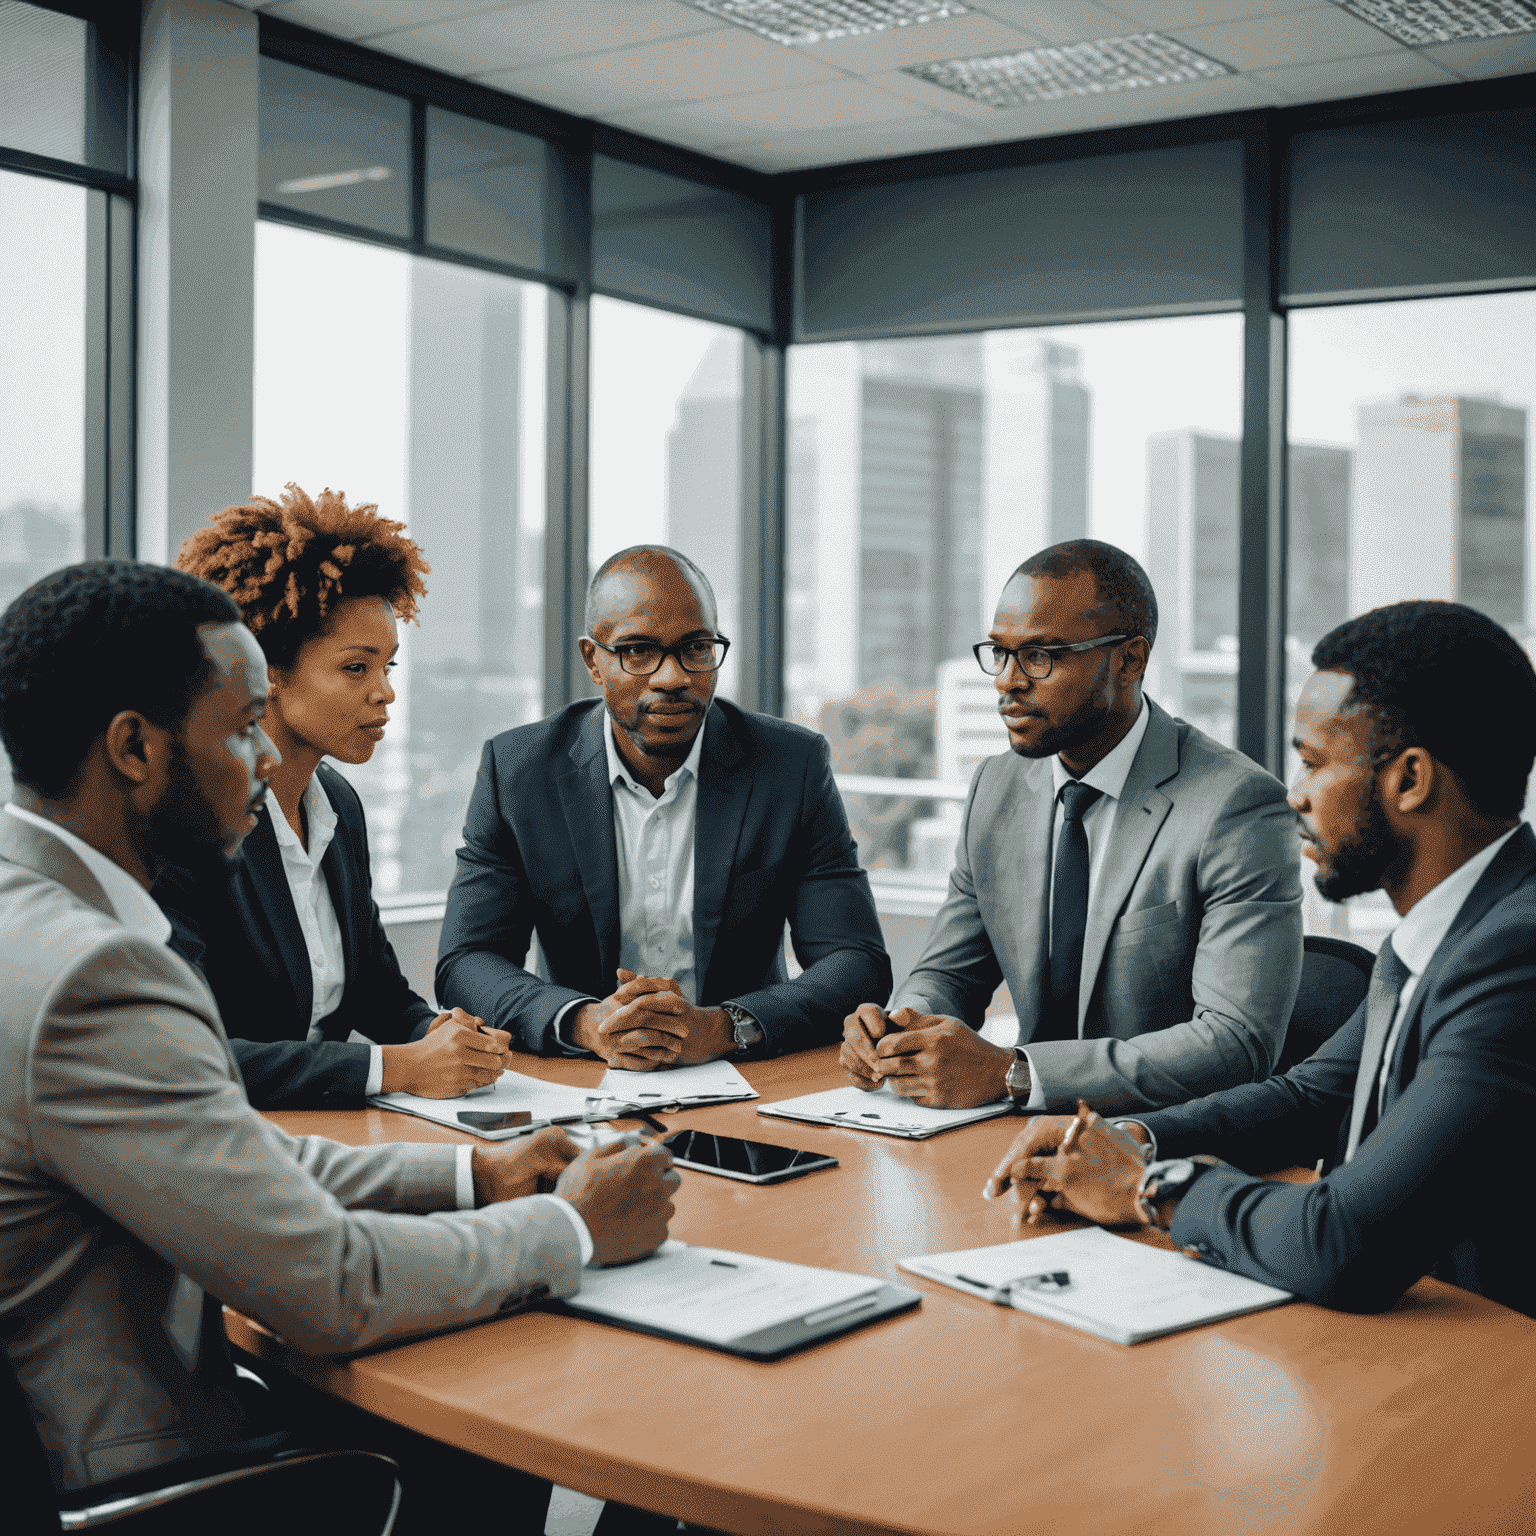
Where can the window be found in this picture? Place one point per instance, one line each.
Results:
(419, 386)
(1410, 467)
(42, 383)
(923, 472)
(666, 446)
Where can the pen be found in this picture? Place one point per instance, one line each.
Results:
(1079, 1124)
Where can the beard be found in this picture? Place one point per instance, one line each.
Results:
(668, 749)
(1357, 866)
(183, 829)
(1083, 724)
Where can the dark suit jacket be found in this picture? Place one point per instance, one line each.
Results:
(1435, 1186)
(244, 935)
(771, 845)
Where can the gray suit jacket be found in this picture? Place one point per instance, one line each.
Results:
(1192, 955)
(137, 1185)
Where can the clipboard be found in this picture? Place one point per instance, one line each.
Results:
(882, 1111)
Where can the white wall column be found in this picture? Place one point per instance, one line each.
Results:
(197, 266)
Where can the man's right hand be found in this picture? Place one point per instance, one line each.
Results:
(624, 1194)
(450, 1059)
(637, 1028)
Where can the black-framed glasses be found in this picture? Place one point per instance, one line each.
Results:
(1034, 661)
(640, 658)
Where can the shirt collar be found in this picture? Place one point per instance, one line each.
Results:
(1109, 774)
(1418, 936)
(321, 815)
(690, 764)
(132, 905)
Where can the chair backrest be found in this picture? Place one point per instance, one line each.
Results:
(30, 1498)
(1335, 976)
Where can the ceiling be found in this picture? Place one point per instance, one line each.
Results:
(665, 70)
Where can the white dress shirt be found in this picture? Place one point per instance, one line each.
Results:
(1108, 776)
(1418, 936)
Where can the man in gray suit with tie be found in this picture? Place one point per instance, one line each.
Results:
(1416, 738)
(138, 1189)
(1134, 882)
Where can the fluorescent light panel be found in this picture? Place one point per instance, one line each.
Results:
(1080, 69)
(333, 179)
(1421, 22)
(819, 21)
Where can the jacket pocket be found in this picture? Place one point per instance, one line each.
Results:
(1148, 917)
(122, 1455)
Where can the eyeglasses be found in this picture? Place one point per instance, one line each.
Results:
(1035, 661)
(640, 658)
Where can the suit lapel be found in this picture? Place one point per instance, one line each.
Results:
(725, 786)
(50, 857)
(586, 798)
(274, 900)
(1024, 863)
(341, 878)
(1139, 815)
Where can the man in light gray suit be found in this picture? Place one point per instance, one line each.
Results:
(1134, 882)
(136, 1183)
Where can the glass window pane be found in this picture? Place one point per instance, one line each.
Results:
(923, 472)
(1410, 474)
(487, 189)
(42, 384)
(666, 447)
(42, 81)
(419, 386)
(335, 148)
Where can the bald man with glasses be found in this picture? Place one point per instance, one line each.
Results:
(1134, 882)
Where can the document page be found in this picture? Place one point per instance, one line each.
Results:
(513, 1091)
(881, 1110)
(711, 1082)
(1120, 1290)
(713, 1295)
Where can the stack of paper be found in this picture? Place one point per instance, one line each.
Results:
(1123, 1291)
(715, 1082)
(543, 1101)
(881, 1110)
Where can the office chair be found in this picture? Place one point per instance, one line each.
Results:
(1335, 976)
(346, 1493)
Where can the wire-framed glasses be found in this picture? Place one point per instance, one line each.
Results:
(1035, 661)
(640, 658)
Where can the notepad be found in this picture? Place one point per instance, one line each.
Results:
(737, 1302)
(512, 1091)
(712, 1082)
(1122, 1291)
(880, 1110)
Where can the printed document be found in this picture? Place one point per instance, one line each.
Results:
(1123, 1291)
(881, 1110)
(712, 1082)
(512, 1091)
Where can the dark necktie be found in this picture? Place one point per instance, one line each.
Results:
(1069, 915)
(1387, 978)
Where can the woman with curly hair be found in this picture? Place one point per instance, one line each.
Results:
(290, 941)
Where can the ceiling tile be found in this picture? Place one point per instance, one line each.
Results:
(1079, 114)
(362, 18)
(924, 93)
(1298, 37)
(1159, 14)
(1481, 56)
(1400, 70)
(1059, 21)
(878, 142)
(773, 114)
(539, 31)
(959, 37)
(684, 69)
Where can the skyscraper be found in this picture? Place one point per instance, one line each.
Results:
(1440, 505)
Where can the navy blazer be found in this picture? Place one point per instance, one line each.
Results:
(771, 845)
(1429, 1190)
(243, 934)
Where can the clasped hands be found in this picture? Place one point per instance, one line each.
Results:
(648, 1023)
(1079, 1163)
(925, 1057)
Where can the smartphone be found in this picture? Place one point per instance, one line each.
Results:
(495, 1120)
(753, 1162)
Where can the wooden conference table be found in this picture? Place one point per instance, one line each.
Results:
(961, 1417)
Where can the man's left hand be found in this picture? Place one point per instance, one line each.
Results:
(1097, 1176)
(941, 1062)
(509, 1170)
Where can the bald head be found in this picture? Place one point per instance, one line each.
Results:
(616, 586)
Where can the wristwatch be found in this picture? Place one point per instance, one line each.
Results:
(1172, 1176)
(1018, 1082)
(745, 1030)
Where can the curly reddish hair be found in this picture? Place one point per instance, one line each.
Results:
(288, 563)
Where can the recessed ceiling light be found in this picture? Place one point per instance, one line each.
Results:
(1420, 22)
(1079, 69)
(819, 21)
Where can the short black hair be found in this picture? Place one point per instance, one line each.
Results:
(90, 641)
(1444, 677)
(624, 556)
(1125, 594)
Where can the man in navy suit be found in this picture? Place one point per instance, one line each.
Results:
(657, 841)
(1416, 738)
